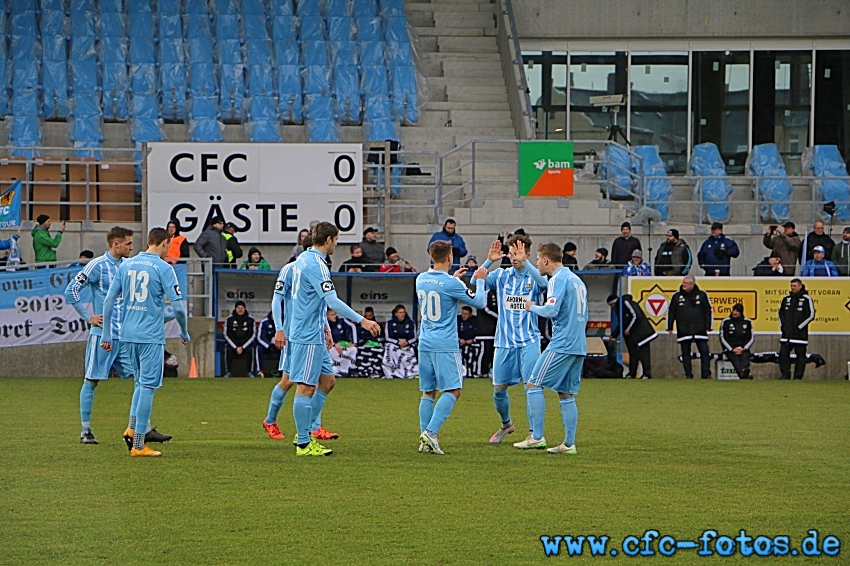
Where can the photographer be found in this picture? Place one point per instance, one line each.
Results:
(394, 264)
(786, 243)
(715, 255)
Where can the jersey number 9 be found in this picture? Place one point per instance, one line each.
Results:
(429, 305)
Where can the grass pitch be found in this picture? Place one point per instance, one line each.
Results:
(676, 456)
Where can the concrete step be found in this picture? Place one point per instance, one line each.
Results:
(474, 68)
(412, 7)
(467, 45)
(445, 20)
(501, 106)
(463, 81)
(491, 57)
(472, 93)
(444, 32)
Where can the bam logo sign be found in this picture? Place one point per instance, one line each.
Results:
(546, 169)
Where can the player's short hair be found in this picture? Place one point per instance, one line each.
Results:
(117, 233)
(308, 241)
(157, 236)
(520, 238)
(323, 231)
(440, 251)
(550, 251)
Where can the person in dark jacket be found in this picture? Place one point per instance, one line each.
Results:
(673, 256)
(816, 238)
(786, 243)
(240, 334)
(211, 243)
(623, 246)
(470, 350)
(736, 336)
(568, 258)
(266, 350)
(364, 335)
(373, 250)
(449, 234)
(769, 266)
(485, 330)
(343, 352)
(717, 252)
(231, 248)
(796, 312)
(637, 334)
(690, 309)
(400, 352)
(600, 260)
(355, 263)
(841, 253)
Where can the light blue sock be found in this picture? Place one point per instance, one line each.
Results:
(426, 411)
(275, 403)
(301, 412)
(569, 416)
(86, 402)
(527, 407)
(442, 410)
(317, 403)
(537, 410)
(144, 407)
(503, 404)
(133, 403)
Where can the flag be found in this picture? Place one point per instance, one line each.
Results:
(10, 206)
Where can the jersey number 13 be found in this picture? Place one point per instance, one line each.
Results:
(138, 279)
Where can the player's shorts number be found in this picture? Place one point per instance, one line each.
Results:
(429, 305)
(140, 278)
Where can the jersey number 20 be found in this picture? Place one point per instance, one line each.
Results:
(141, 278)
(429, 305)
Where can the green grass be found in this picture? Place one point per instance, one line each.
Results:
(676, 456)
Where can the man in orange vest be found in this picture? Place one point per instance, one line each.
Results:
(179, 245)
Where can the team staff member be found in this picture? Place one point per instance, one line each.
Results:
(736, 335)
(691, 310)
(796, 312)
(179, 246)
(239, 332)
(637, 333)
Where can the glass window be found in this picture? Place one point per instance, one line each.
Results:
(659, 105)
(546, 73)
(720, 104)
(595, 74)
(832, 100)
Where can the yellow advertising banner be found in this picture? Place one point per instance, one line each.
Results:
(761, 297)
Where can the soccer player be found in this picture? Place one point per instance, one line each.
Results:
(517, 340)
(144, 282)
(440, 366)
(559, 367)
(97, 275)
(310, 364)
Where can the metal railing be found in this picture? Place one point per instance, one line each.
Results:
(525, 122)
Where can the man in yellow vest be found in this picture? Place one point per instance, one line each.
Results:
(232, 248)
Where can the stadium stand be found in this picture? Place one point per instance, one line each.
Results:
(774, 191)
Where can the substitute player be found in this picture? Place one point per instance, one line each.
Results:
(559, 367)
(310, 364)
(440, 366)
(144, 282)
(517, 340)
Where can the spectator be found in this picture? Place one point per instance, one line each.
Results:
(449, 234)
(255, 261)
(179, 244)
(841, 254)
(485, 330)
(771, 265)
(369, 351)
(364, 335)
(637, 334)
(232, 248)
(504, 236)
(690, 309)
(354, 264)
(394, 264)
(343, 352)
(636, 267)
(85, 256)
(623, 246)
(400, 353)
(266, 350)
(674, 256)
(736, 336)
(600, 260)
(299, 247)
(786, 243)
(239, 333)
(817, 238)
(471, 263)
(796, 312)
(819, 267)
(568, 257)
(373, 250)
(471, 351)
(715, 255)
(212, 244)
(43, 245)
(11, 245)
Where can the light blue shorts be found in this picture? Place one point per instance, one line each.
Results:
(148, 361)
(558, 371)
(514, 365)
(284, 359)
(440, 371)
(99, 362)
(307, 362)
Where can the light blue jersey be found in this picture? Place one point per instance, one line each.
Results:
(516, 327)
(145, 281)
(438, 294)
(97, 276)
(567, 307)
(281, 300)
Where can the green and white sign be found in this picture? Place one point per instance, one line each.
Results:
(545, 168)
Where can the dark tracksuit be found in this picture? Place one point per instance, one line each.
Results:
(404, 330)
(692, 314)
(265, 343)
(640, 334)
(239, 331)
(737, 333)
(796, 312)
(471, 354)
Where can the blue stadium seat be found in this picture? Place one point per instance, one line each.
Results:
(371, 53)
(658, 187)
(143, 78)
(226, 27)
(281, 8)
(86, 105)
(288, 80)
(162, 6)
(290, 108)
(224, 7)
(23, 23)
(232, 92)
(203, 107)
(170, 26)
(307, 8)
(262, 129)
(312, 28)
(375, 81)
(377, 108)
(344, 53)
(140, 24)
(774, 193)
(364, 8)
(404, 93)
(116, 6)
(200, 50)
(24, 131)
(346, 90)
(205, 130)
(84, 76)
(25, 75)
(317, 80)
(369, 29)
(323, 131)
(112, 24)
(83, 48)
(706, 162)
(255, 26)
(395, 29)
(283, 27)
(86, 132)
(116, 84)
(142, 50)
(146, 130)
(25, 102)
(196, 25)
(391, 8)
(4, 93)
(258, 52)
(338, 8)
(317, 107)
(314, 53)
(25, 48)
(195, 7)
(173, 89)
(171, 51)
(826, 163)
(22, 5)
(53, 23)
(53, 5)
(144, 106)
(286, 52)
(82, 5)
(340, 28)
(55, 89)
(380, 130)
(202, 79)
(260, 80)
(230, 52)
(254, 7)
(399, 53)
